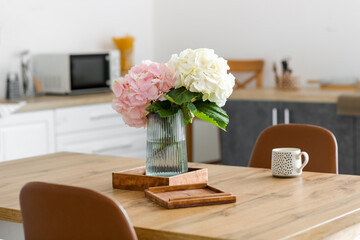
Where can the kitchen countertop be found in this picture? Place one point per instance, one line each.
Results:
(301, 95)
(265, 94)
(56, 101)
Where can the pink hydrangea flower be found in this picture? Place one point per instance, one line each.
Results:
(143, 84)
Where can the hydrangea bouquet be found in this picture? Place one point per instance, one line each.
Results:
(196, 82)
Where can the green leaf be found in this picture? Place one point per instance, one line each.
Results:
(188, 112)
(191, 107)
(168, 98)
(212, 113)
(186, 121)
(181, 95)
(164, 108)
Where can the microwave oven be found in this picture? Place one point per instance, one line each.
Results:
(77, 73)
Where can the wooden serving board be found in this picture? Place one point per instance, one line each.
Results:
(135, 178)
(190, 195)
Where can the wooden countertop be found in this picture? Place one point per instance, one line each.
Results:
(313, 206)
(56, 101)
(265, 94)
(301, 95)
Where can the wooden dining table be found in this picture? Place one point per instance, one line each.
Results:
(313, 206)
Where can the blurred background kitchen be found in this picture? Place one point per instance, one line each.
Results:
(321, 38)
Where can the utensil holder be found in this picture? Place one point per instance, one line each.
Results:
(288, 83)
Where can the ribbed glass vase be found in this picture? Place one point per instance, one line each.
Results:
(166, 145)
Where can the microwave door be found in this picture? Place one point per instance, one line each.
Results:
(89, 73)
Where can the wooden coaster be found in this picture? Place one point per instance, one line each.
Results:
(190, 195)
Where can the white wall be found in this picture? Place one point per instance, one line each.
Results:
(322, 37)
(71, 25)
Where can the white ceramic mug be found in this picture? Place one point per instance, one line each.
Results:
(286, 162)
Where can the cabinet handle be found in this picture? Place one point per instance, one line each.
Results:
(274, 116)
(102, 149)
(98, 116)
(286, 116)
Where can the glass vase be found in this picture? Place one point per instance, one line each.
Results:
(166, 145)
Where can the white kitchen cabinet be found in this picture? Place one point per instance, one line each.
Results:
(97, 129)
(87, 117)
(26, 134)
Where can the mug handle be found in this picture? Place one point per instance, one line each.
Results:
(306, 156)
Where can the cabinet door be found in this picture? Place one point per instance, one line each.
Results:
(116, 141)
(247, 120)
(84, 118)
(357, 145)
(26, 134)
(97, 129)
(343, 127)
(206, 142)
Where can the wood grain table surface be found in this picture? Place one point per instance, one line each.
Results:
(313, 206)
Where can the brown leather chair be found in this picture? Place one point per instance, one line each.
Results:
(52, 211)
(317, 141)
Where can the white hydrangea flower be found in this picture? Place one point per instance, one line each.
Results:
(201, 70)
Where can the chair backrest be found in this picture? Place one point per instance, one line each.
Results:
(242, 66)
(317, 141)
(52, 211)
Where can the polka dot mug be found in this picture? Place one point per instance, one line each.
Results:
(286, 162)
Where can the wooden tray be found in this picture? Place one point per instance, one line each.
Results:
(190, 195)
(135, 179)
